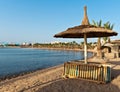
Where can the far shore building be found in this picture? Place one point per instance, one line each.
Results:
(57, 42)
(54, 42)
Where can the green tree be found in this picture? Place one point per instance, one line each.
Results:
(106, 25)
(98, 24)
(110, 26)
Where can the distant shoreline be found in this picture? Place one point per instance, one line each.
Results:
(67, 49)
(48, 48)
(28, 72)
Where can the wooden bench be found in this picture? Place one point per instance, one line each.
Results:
(94, 72)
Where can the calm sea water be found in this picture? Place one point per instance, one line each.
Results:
(18, 60)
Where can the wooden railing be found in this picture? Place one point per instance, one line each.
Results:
(94, 72)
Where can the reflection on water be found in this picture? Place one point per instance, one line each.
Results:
(16, 60)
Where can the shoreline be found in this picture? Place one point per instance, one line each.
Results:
(15, 75)
(32, 73)
(50, 79)
(40, 77)
(10, 76)
(48, 48)
(65, 49)
(41, 80)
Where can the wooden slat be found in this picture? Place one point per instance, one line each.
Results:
(88, 71)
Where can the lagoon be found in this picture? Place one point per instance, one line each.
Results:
(20, 60)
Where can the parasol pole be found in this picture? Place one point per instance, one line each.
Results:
(85, 48)
(85, 22)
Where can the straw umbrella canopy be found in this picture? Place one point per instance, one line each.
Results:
(85, 30)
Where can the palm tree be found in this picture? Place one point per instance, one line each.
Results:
(110, 26)
(98, 24)
(107, 25)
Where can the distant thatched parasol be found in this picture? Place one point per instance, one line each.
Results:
(85, 30)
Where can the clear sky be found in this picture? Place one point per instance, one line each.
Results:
(39, 20)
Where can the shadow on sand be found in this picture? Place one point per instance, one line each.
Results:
(78, 85)
(115, 70)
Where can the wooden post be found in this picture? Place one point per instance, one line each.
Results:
(85, 48)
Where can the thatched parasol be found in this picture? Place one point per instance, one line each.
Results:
(85, 30)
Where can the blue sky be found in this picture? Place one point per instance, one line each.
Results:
(39, 20)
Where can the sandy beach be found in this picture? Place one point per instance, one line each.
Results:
(30, 81)
(50, 80)
(59, 46)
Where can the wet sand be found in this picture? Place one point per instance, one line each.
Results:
(50, 80)
(30, 81)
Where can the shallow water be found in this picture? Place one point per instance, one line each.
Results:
(18, 60)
